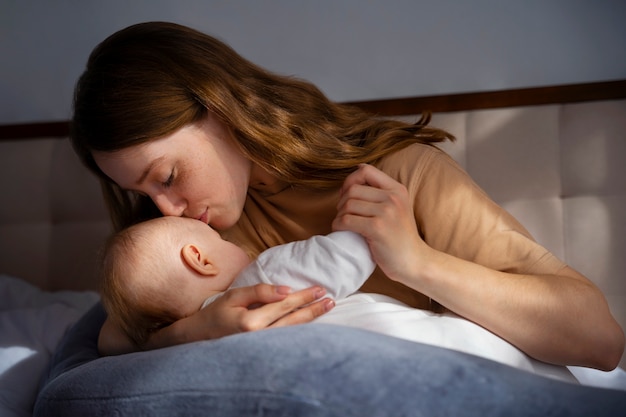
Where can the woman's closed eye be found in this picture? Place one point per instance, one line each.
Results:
(168, 182)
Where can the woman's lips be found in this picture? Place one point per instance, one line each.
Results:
(204, 217)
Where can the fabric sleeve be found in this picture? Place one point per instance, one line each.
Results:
(456, 216)
(340, 262)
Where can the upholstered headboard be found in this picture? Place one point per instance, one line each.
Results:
(553, 156)
(53, 218)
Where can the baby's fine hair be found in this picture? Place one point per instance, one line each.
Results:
(134, 288)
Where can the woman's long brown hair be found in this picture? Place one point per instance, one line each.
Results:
(151, 79)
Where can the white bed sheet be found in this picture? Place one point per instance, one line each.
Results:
(32, 323)
(387, 315)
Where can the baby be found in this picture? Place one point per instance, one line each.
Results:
(159, 271)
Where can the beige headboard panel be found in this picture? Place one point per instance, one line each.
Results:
(52, 218)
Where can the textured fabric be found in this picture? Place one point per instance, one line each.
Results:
(386, 315)
(32, 322)
(340, 262)
(308, 370)
(453, 214)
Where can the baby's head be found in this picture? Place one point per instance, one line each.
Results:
(161, 270)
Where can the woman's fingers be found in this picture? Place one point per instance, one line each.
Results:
(370, 201)
(369, 175)
(305, 314)
(260, 306)
(256, 294)
(287, 311)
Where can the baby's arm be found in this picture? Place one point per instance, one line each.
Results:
(340, 262)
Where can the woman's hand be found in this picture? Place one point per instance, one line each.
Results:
(245, 309)
(378, 207)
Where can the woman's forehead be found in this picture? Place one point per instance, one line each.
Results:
(132, 163)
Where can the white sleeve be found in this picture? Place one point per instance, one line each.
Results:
(340, 262)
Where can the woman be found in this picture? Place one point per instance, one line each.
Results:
(175, 122)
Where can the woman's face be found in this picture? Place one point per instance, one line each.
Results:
(195, 172)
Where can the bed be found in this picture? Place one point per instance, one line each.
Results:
(553, 156)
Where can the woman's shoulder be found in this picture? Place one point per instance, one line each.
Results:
(410, 163)
(420, 153)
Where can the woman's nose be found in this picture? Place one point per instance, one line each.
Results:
(168, 205)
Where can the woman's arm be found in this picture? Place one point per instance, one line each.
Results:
(229, 314)
(113, 341)
(561, 318)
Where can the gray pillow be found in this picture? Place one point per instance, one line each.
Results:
(308, 370)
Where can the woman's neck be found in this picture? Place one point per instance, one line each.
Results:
(265, 182)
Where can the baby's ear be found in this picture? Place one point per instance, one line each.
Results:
(199, 262)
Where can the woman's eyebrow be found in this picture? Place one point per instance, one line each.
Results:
(149, 168)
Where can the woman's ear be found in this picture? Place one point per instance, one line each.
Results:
(196, 260)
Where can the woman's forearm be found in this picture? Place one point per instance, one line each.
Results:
(562, 319)
(232, 313)
(113, 341)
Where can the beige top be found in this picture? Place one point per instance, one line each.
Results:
(452, 213)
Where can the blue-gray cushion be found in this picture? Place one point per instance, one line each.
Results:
(308, 370)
